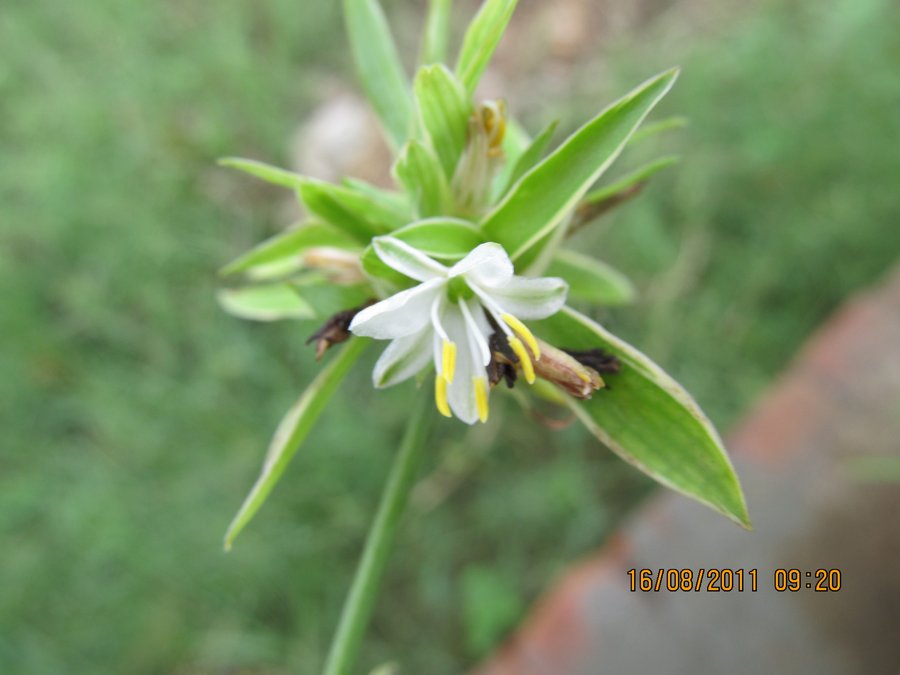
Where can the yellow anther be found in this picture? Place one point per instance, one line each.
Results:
(522, 331)
(448, 360)
(481, 397)
(490, 121)
(524, 359)
(440, 395)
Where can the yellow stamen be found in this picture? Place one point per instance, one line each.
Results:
(522, 331)
(440, 395)
(493, 120)
(448, 360)
(524, 359)
(481, 397)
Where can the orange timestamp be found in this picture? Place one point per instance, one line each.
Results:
(821, 580)
(723, 580)
(712, 580)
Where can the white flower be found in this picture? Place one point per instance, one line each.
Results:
(451, 316)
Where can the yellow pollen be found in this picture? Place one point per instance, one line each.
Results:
(524, 359)
(440, 395)
(584, 378)
(448, 360)
(481, 397)
(522, 331)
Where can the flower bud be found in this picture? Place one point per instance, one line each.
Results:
(565, 371)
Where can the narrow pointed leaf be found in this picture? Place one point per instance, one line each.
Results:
(441, 238)
(630, 180)
(288, 245)
(379, 67)
(444, 110)
(650, 130)
(436, 33)
(591, 280)
(265, 302)
(263, 171)
(323, 296)
(293, 430)
(418, 170)
(545, 196)
(393, 202)
(481, 40)
(515, 140)
(527, 159)
(444, 239)
(354, 211)
(650, 421)
(356, 214)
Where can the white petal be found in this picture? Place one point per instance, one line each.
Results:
(528, 298)
(407, 260)
(438, 310)
(483, 324)
(487, 264)
(402, 314)
(470, 309)
(403, 358)
(461, 392)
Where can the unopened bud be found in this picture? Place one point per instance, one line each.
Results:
(339, 266)
(565, 371)
(481, 158)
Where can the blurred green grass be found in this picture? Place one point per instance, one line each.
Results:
(135, 413)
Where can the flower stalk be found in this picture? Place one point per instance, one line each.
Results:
(361, 599)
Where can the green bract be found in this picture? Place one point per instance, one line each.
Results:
(468, 177)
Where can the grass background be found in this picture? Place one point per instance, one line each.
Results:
(134, 413)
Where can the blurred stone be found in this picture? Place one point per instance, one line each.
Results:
(342, 137)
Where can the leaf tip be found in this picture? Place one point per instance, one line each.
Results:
(744, 517)
(738, 511)
(228, 540)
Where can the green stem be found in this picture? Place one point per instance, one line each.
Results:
(361, 599)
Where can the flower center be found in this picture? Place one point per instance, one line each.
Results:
(458, 289)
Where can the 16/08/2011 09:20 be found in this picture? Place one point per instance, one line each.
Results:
(716, 580)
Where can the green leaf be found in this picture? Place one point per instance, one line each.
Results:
(437, 30)
(526, 160)
(444, 239)
(393, 202)
(481, 40)
(289, 245)
(515, 140)
(441, 238)
(649, 130)
(265, 302)
(379, 67)
(650, 421)
(266, 172)
(292, 431)
(544, 197)
(444, 110)
(325, 297)
(630, 180)
(356, 214)
(418, 170)
(591, 280)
